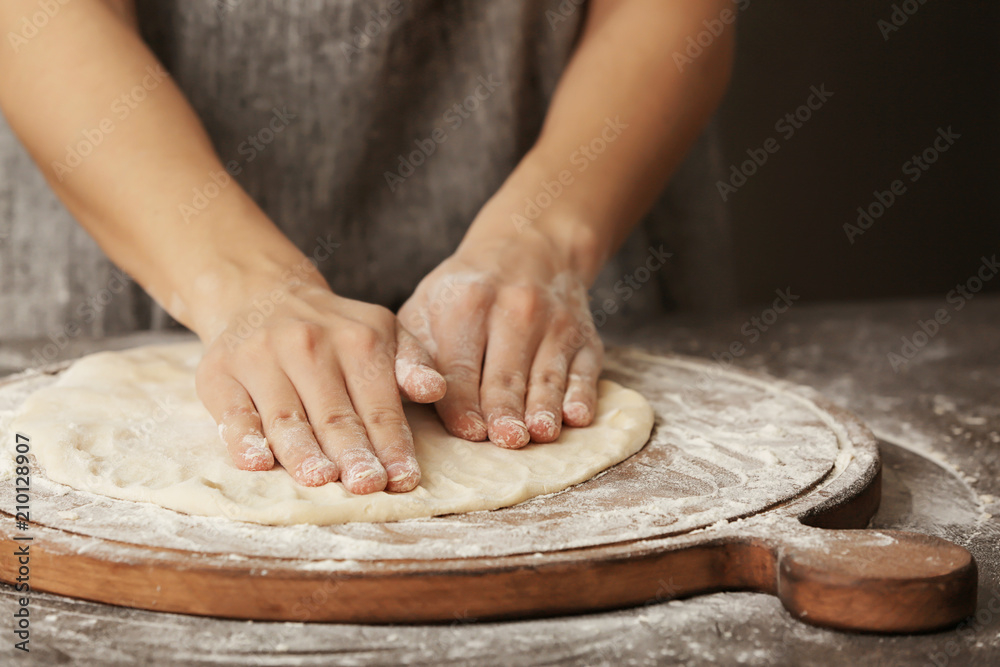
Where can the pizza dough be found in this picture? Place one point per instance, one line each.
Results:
(129, 425)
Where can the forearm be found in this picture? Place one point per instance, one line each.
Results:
(621, 121)
(125, 152)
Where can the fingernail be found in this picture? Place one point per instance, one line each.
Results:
(544, 424)
(434, 381)
(475, 431)
(358, 475)
(425, 383)
(399, 472)
(317, 470)
(362, 471)
(256, 454)
(576, 412)
(509, 432)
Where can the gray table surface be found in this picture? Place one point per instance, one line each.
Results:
(938, 421)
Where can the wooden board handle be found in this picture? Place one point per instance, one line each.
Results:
(875, 580)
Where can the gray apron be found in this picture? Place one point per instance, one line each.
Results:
(374, 131)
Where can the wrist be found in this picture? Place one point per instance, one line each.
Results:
(213, 299)
(255, 265)
(533, 207)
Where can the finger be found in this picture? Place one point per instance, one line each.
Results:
(546, 389)
(285, 425)
(460, 332)
(515, 333)
(338, 428)
(378, 403)
(415, 374)
(239, 424)
(580, 402)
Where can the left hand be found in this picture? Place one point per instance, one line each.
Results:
(507, 322)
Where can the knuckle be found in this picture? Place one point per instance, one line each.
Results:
(385, 416)
(341, 420)
(284, 418)
(382, 317)
(562, 321)
(485, 292)
(307, 336)
(462, 373)
(239, 412)
(551, 379)
(512, 381)
(473, 294)
(256, 349)
(524, 303)
(362, 339)
(456, 299)
(584, 330)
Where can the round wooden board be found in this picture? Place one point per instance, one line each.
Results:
(716, 500)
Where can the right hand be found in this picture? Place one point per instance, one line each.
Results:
(313, 386)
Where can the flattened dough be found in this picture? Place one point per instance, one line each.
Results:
(129, 425)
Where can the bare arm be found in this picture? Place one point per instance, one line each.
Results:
(86, 79)
(623, 117)
(316, 376)
(624, 92)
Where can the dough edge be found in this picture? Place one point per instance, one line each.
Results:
(488, 478)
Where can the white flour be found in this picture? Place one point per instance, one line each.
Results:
(729, 447)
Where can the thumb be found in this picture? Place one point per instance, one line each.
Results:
(415, 373)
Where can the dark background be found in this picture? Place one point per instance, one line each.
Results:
(939, 69)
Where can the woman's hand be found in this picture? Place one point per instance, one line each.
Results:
(306, 377)
(507, 322)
